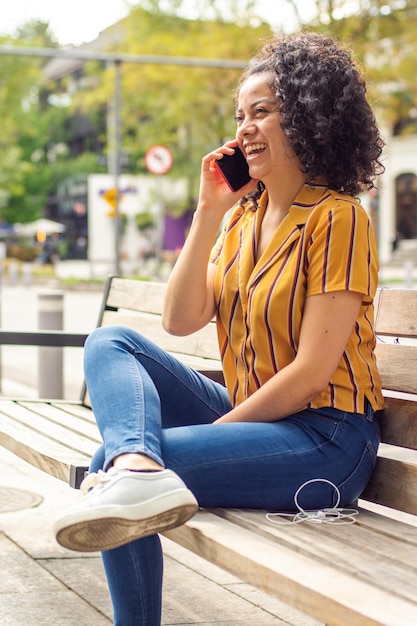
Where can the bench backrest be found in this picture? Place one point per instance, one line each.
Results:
(394, 483)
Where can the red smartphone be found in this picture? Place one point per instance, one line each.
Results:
(235, 169)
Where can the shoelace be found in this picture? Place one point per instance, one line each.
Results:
(94, 480)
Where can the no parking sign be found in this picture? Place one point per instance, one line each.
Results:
(158, 160)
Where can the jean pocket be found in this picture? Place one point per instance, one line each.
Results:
(352, 487)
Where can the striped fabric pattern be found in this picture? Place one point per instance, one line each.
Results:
(325, 243)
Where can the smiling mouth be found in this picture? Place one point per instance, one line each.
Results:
(255, 148)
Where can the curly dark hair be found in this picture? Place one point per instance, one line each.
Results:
(324, 111)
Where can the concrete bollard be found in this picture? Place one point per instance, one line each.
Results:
(409, 274)
(50, 359)
(27, 274)
(13, 272)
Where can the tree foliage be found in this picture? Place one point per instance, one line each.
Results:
(383, 35)
(18, 79)
(189, 109)
(34, 134)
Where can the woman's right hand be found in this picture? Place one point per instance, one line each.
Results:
(215, 194)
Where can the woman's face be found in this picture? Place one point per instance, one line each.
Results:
(259, 134)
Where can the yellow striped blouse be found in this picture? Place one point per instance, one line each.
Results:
(325, 243)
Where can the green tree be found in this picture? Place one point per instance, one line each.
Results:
(34, 155)
(24, 179)
(18, 75)
(189, 109)
(384, 37)
(37, 33)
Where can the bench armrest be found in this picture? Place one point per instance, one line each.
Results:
(41, 338)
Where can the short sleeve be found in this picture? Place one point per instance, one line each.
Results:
(342, 253)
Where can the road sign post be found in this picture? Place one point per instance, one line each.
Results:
(159, 160)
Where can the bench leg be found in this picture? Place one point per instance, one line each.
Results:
(77, 475)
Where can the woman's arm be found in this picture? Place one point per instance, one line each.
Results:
(327, 323)
(189, 299)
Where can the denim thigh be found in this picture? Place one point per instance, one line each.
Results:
(136, 389)
(262, 465)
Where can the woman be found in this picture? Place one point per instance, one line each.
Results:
(291, 281)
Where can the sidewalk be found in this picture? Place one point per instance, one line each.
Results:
(45, 585)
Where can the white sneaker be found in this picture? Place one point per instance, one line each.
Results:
(120, 506)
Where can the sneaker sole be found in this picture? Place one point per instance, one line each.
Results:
(112, 526)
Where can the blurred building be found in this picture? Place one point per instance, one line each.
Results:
(397, 223)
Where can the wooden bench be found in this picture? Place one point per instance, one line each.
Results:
(363, 573)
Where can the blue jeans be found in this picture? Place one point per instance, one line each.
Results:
(147, 401)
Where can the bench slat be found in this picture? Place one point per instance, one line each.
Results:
(201, 344)
(73, 408)
(35, 424)
(395, 312)
(393, 484)
(367, 554)
(397, 364)
(136, 295)
(399, 422)
(39, 450)
(64, 418)
(304, 582)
